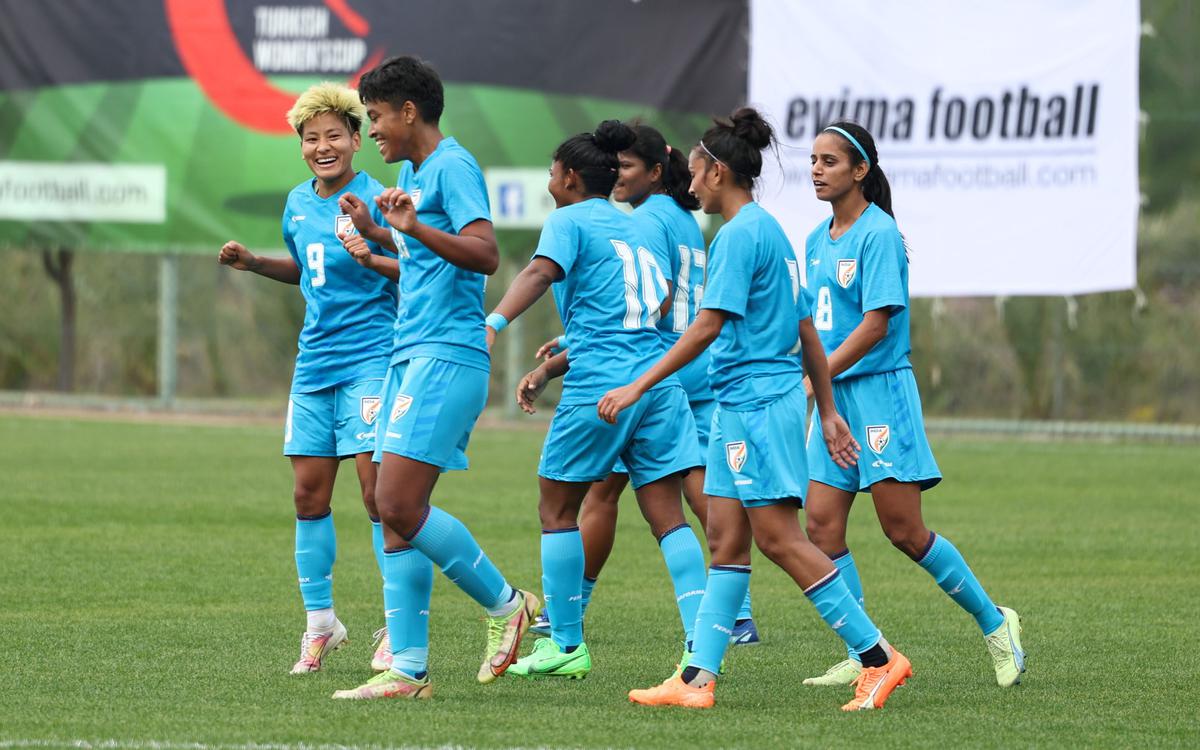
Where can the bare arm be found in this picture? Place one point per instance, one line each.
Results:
(702, 332)
(529, 286)
(235, 255)
(383, 265)
(473, 248)
(861, 340)
(839, 441)
(360, 216)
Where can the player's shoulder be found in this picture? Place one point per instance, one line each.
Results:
(454, 157)
(302, 193)
(879, 229)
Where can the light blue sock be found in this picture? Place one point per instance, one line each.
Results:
(840, 611)
(377, 542)
(407, 587)
(443, 539)
(745, 612)
(562, 583)
(685, 562)
(724, 592)
(588, 585)
(316, 550)
(845, 565)
(944, 562)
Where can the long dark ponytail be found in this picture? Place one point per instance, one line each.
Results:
(653, 149)
(875, 185)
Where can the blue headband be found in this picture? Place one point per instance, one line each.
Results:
(854, 142)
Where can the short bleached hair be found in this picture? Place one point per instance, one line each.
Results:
(328, 97)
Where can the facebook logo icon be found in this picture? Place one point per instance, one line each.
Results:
(512, 200)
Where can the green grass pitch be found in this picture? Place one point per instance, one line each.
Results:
(149, 597)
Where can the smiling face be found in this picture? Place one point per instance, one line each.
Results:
(635, 181)
(833, 174)
(328, 147)
(393, 129)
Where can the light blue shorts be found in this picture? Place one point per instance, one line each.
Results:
(757, 456)
(338, 421)
(429, 409)
(884, 414)
(648, 438)
(702, 412)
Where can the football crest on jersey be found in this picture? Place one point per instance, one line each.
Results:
(416, 196)
(368, 408)
(878, 436)
(735, 455)
(845, 272)
(342, 225)
(400, 406)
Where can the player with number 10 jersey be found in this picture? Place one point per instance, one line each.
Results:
(608, 288)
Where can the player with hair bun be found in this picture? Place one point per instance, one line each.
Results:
(653, 178)
(343, 348)
(609, 290)
(755, 316)
(859, 269)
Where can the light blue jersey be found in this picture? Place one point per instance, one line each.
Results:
(865, 269)
(608, 297)
(349, 310)
(753, 275)
(441, 305)
(676, 241)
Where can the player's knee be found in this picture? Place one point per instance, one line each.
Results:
(775, 547)
(368, 498)
(827, 536)
(907, 538)
(310, 500)
(398, 513)
(557, 515)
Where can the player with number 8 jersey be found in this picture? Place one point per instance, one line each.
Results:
(609, 290)
(859, 269)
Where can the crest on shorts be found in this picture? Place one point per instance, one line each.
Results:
(368, 408)
(400, 406)
(878, 436)
(735, 455)
(845, 272)
(342, 225)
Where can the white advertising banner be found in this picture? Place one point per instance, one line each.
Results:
(134, 193)
(1008, 131)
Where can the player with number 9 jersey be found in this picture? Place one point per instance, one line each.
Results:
(343, 346)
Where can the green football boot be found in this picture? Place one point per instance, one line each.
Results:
(547, 660)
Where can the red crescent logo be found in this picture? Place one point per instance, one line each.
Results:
(212, 56)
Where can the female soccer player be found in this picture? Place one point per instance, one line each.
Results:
(436, 385)
(344, 344)
(860, 273)
(608, 289)
(653, 178)
(753, 309)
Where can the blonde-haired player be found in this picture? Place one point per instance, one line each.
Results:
(344, 345)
